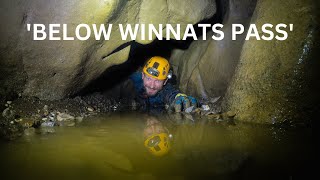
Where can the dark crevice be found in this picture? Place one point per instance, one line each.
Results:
(218, 17)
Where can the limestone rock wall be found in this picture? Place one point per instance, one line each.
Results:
(261, 81)
(273, 80)
(206, 68)
(57, 69)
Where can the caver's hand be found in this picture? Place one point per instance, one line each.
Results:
(182, 102)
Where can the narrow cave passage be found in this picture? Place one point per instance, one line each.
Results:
(115, 75)
(108, 83)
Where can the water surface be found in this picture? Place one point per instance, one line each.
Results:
(110, 146)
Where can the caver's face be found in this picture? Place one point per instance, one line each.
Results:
(152, 85)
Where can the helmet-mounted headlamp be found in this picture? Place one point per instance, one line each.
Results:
(153, 71)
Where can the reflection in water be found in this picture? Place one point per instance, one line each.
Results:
(112, 146)
(157, 138)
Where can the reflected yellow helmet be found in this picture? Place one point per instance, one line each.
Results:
(157, 67)
(158, 144)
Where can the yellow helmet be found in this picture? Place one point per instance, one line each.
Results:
(157, 67)
(158, 144)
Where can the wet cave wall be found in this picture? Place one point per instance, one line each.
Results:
(275, 80)
(53, 70)
(261, 81)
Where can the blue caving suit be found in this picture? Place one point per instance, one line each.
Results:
(163, 97)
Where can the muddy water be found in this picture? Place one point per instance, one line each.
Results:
(110, 146)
